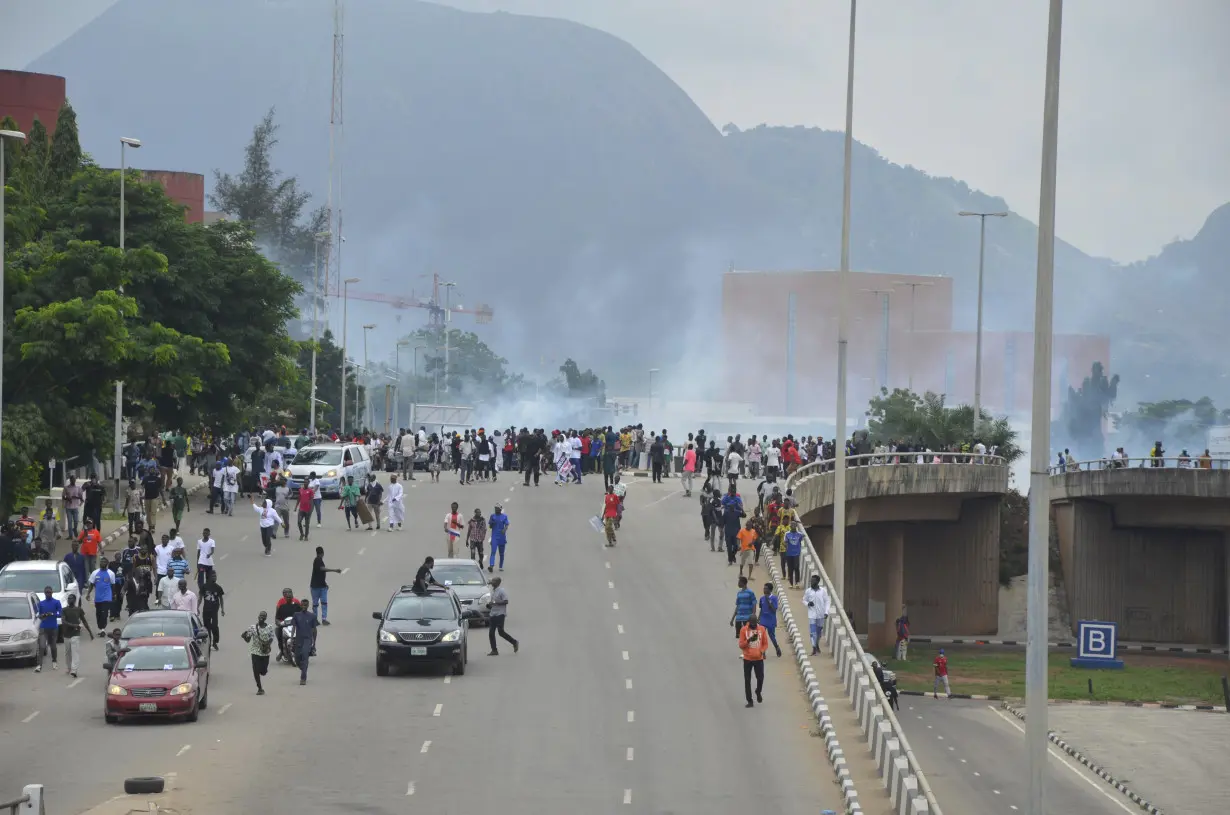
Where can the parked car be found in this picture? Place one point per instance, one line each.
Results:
(32, 576)
(19, 640)
(158, 677)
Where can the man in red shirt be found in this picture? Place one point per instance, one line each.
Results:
(91, 545)
(307, 503)
(941, 675)
(610, 512)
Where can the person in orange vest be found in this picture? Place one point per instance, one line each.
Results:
(91, 545)
(753, 642)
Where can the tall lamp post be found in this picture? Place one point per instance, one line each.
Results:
(345, 310)
(913, 292)
(417, 348)
(1040, 438)
(448, 318)
(397, 388)
(320, 236)
(884, 295)
(125, 143)
(982, 247)
(839, 448)
(367, 379)
(4, 134)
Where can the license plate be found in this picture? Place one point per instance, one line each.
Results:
(418, 652)
(147, 707)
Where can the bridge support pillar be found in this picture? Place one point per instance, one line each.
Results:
(886, 583)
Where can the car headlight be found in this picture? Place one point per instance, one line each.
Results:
(181, 690)
(22, 636)
(116, 690)
(452, 636)
(331, 474)
(286, 473)
(484, 600)
(387, 636)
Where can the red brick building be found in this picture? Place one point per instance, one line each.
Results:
(27, 96)
(782, 344)
(185, 189)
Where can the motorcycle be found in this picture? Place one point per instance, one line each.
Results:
(287, 652)
(889, 686)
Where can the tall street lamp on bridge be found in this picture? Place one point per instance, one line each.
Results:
(982, 248)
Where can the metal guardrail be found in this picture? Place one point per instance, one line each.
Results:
(30, 802)
(1144, 463)
(813, 565)
(814, 469)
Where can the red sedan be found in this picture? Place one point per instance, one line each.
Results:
(158, 677)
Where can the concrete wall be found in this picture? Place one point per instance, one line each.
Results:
(916, 481)
(185, 189)
(28, 96)
(1142, 482)
(1161, 584)
(952, 571)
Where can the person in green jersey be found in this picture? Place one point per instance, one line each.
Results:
(179, 502)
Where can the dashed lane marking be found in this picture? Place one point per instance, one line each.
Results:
(29, 718)
(448, 679)
(620, 628)
(243, 539)
(615, 606)
(76, 682)
(625, 656)
(361, 551)
(627, 796)
(608, 564)
(426, 746)
(439, 708)
(627, 684)
(629, 754)
(183, 750)
(631, 715)
(410, 788)
(610, 584)
(374, 531)
(224, 708)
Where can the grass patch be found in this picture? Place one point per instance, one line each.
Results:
(1172, 680)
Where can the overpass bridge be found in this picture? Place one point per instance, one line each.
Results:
(1144, 543)
(920, 535)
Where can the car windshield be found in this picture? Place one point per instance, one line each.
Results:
(154, 658)
(422, 608)
(157, 627)
(15, 608)
(330, 457)
(469, 575)
(33, 580)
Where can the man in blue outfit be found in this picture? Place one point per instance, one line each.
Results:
(498, 523)
(49, 610)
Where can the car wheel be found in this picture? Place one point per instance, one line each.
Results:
(109, 719)
(459, 666)
(205, 697)
(194, 715)
(151, 785)
(382, 667)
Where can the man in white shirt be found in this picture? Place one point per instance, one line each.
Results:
(561, 452)
(816, 598)
(980, 450)
(184, 599)
(409, 444)
(773, 461)
(162, 555)
(167, 587)
(204, 558)
(230, 487)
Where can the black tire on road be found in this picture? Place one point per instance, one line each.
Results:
(150, 785)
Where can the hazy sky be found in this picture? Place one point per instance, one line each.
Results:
(953, 87)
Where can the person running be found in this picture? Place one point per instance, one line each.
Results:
(319, 586)
(397, 502)
(213, 605)
(498, 606)
(753, 642)
(72, 619)
(179, 502)
(499, 524)
(476, 536)
(768, 615)
(350, 501)
(305, 638)
(259, 638)
(453, 526)
(269, 520)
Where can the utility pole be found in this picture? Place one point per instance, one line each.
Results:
(448, 318)
(910, 361)
(982, 247)
(315, 320)
(884, 294)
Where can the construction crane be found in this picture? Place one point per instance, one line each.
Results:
(437, 312)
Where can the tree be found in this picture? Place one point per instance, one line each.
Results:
(1085, 409)
(328, 383)
(1176, 422)
(474, 370)
(66, 157)
(271, 204)
(905, 416)
(582, 384)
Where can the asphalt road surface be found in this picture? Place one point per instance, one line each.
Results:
(974, 757)
(626, 695)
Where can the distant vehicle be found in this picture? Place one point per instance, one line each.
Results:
(422, 628)
(18, 627)
(332, 463)
(163, 677)
(469, 582)
(32, 576)
(165, 622)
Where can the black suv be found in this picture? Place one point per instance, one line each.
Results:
(426, 627)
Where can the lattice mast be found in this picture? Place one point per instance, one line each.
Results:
(333, 268)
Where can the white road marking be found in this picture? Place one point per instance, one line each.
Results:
(928, 727)
(426, 746)
(941, 738)
(438, 709)
(410, 788)
(620, 628)
(374, 531)
(510, 489)
(183, 750)
(223, 556)
(244, 538)
(224, 708)
(361, 551)
(610, 584)
(345, 570)
(76, 682)
(628, 684)
(448, 679)
(977, 774)
(995, 791)
(629, 754)
(660, 500)
(1096, 785)
(608, 564)
(615, 606)
(952, 748)
(963, 761)
(631, 715)
(29, 718)
(1012, 806)
(627, 796)
(625, 656)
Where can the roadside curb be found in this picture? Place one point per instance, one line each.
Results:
(1146, 649)
(1097, 770)
(819, 707)
(123, 530)
(1083, 702)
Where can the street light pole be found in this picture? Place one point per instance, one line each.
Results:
(1040, 439)
(910, 361)
(838, 574)
(982, 245)
(133, 143)
(4, 134)
(320, 236)
(885, 294)
(448, 318)
(397, 387)
(417, 348)
(345, 311)
(125, 142)
(367, 379)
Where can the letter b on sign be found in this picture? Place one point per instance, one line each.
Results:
(1096, 643)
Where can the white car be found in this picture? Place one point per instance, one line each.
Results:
(332, 463)
(32, 576)
(18, 627)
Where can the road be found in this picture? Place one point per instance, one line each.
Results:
(974, 757)
(626, 694)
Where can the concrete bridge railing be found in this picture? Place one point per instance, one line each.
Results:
(900, 474)
(1162, 477)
